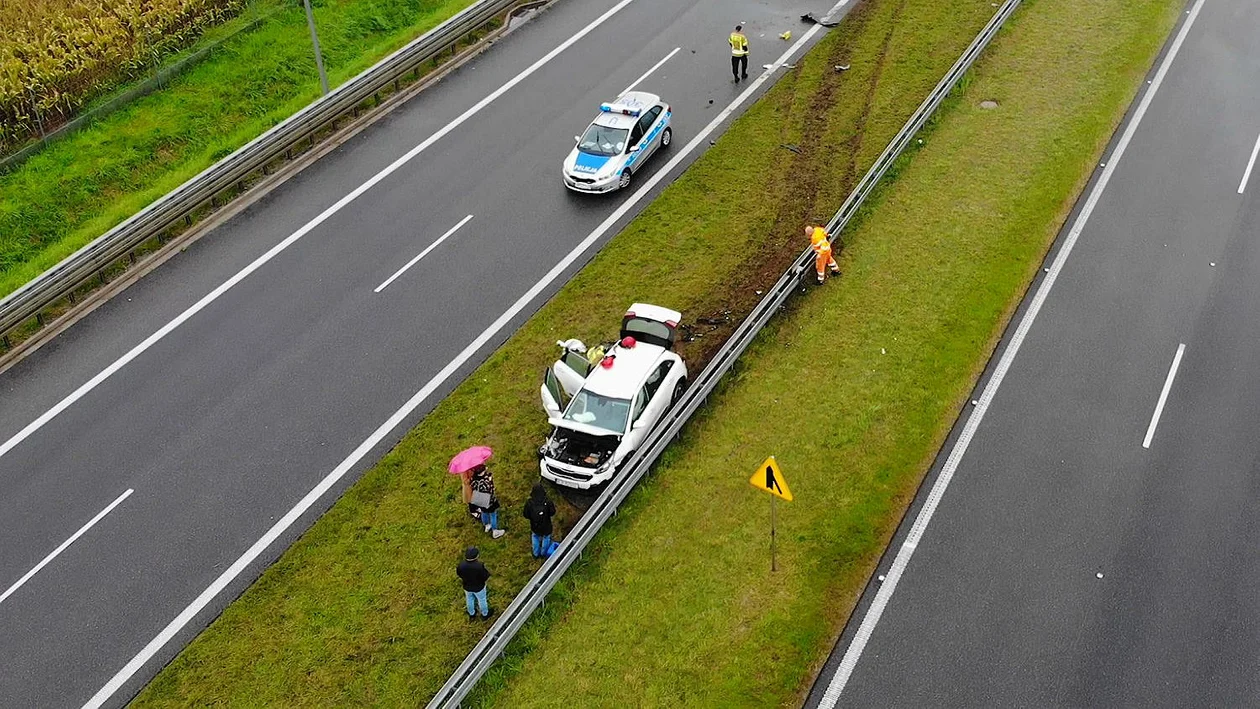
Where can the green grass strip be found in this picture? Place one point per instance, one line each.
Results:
(853, 391)
(364, 609)
(78, 188)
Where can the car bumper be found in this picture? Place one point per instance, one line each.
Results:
(573, 476)
(590, 187)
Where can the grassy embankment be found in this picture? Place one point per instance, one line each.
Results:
(364, 609)
(680, 607)
(79, 187)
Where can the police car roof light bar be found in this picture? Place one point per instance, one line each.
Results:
(613, 108)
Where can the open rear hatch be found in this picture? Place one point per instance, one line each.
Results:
(651, 324)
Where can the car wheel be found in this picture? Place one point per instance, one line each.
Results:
(624, 182)
(679, 389)
(667, 136)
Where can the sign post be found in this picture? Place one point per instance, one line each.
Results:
(773, 507)
(770, 479)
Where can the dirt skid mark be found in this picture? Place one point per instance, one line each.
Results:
(808, 160)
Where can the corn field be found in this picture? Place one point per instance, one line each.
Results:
(57, 55)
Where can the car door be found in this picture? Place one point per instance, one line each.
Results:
(651, 402)
(562, 381)
(634, 146)
(650, 141)
(659, 389)
(640, 422)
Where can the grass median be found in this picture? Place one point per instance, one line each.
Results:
(79, 187)
(854, 390)
(364, 608)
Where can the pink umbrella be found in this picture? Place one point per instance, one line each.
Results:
(469, 459)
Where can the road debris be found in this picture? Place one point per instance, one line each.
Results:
(825, 22)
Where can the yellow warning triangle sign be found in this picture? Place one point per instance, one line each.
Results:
(769, 478)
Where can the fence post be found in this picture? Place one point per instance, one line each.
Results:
(39, 121)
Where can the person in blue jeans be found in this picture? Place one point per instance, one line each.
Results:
(486, 501)
(473, 574)
(539, 510)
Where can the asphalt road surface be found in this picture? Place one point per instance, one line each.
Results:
(290, 382)
(1099, 542)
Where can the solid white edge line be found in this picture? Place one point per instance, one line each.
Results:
(293, 238)
(1163, 396)
(1250, 164)
(882, 596)
(424, 253)
(648, 73)
(64, 545)
(214, 589)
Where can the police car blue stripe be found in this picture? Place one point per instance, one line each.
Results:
(660, 124)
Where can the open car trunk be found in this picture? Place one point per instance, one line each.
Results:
(651, 324)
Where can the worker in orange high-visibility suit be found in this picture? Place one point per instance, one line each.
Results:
(820, 242)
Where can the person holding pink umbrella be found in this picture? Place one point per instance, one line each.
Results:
(478, 484)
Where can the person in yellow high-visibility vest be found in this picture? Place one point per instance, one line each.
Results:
(820, 242)
(739, 53)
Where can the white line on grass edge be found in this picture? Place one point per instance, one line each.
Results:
(251, 554)
(889, 585)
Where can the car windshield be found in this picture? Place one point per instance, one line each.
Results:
(602, 140)
(600, 411)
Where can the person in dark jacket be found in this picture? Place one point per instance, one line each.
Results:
(474, 576)
(539, 510)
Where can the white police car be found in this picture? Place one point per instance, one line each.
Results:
(620, 139)
(602, 403)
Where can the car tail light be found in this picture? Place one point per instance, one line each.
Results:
(628, 342)
(607, 362)
(629, 313)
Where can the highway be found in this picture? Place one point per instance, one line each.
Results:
(1090, 534)
(158, 454)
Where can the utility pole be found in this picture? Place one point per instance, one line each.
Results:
(319, 58)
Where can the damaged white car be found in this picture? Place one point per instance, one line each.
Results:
(602, 403)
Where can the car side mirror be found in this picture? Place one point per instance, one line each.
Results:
(640, 423)
(577, 139)
(633, 149)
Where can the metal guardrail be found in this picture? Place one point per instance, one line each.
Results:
(534, 594)
(61, 280)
